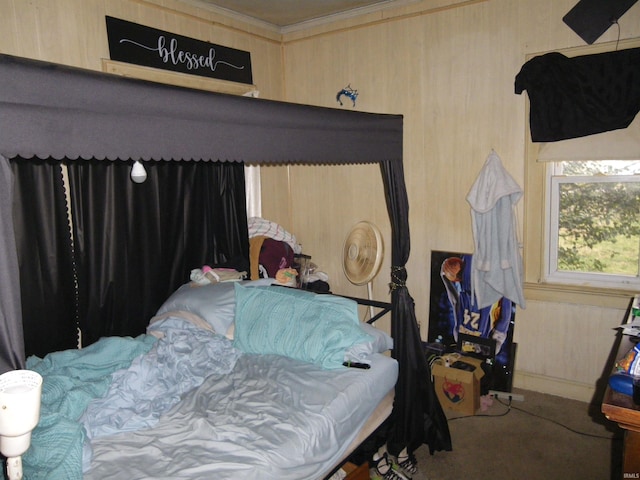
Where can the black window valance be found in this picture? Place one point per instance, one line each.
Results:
(580, 96)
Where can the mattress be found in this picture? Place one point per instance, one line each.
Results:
(271, 417)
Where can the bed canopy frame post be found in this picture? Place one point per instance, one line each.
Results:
(49, 110)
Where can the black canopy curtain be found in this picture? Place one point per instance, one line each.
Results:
(133, 244)
(417, 415)
(146, 237)
(50, 110)
(43, 242)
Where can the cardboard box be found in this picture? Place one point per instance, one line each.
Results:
(459, 390)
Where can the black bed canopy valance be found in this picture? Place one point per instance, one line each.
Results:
(58, 111)
(49, 110)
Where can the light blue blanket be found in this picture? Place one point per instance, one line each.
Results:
(72, 378)
(183, 357)
(116, 385)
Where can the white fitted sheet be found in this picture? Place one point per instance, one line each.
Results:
(270, 418)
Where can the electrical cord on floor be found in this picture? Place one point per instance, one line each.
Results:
(510, 406)
(584, 434)
(486, 415)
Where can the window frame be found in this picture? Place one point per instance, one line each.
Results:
(552, 214)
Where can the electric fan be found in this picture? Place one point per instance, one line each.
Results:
(362, 255)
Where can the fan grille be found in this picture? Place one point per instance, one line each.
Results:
(363, 252)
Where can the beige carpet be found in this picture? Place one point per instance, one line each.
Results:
(543, 438)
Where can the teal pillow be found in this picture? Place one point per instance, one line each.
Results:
(297, 324)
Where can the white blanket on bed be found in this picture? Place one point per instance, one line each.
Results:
(270, 418)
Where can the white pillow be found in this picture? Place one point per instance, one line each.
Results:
(381, 343)
(215, 303)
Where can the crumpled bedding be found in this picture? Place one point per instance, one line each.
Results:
(270, 418)
(139, 395)
(189, 405)
(117, 384)
(72, 378)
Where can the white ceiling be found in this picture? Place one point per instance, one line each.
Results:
(284, 13)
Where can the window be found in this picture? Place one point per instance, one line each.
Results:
(559, 167)
(593, 223)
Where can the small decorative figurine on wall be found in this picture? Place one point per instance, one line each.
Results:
(349, 92)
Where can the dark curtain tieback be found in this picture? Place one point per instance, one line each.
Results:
(398, 278)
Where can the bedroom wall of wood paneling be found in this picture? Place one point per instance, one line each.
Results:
(448, 66)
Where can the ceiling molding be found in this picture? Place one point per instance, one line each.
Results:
(215, 9)
(354, 12)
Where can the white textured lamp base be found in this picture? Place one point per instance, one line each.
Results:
(14, 468)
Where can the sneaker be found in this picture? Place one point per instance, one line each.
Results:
(381, 468)
(405, 463)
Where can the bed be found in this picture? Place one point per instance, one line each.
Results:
(55, 111)
(232, 380)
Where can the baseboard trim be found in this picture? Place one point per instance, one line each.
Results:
(560, 387)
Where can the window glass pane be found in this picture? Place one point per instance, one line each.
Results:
(599, 224)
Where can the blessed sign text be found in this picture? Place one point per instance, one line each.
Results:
(133, 43)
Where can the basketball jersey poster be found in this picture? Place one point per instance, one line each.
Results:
(456, 324)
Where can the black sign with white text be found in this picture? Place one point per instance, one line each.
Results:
(133, 43)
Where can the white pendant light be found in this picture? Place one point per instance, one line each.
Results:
(138, 173)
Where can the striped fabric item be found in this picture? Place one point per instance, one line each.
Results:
(259, 227)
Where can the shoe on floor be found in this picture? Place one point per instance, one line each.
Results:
(382, 468)
(405, 463)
